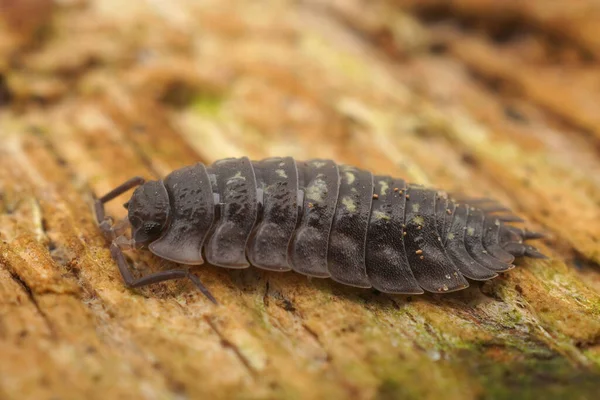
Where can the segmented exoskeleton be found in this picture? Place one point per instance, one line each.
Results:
(317, 218)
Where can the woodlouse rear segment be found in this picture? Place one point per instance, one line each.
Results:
(319, 219)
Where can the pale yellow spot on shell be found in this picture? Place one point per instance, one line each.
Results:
(379, 215)
(418, 220)
(470, 231)
(281, 172)
(349, 204)
(318, 164)
(416, 207)
(350, 177)
(384, 187)
(238, 176)
(317, 190)
(451, 236)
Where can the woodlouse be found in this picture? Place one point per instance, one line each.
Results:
(317, 218)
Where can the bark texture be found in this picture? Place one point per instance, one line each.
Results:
(481, 97)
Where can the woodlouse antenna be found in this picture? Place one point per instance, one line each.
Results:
(119, 190)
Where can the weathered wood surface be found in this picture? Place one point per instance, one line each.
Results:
(483, 97)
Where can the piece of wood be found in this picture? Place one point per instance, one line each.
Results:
(95, 92)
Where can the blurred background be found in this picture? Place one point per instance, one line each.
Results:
(483, 97)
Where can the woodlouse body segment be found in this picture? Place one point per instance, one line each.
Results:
(308, 250)
(319, 219)
(235, 184)
(347, 241)
(191, 215)
(457, 251)
(270, 240)
(387, 265)
(435, 272)
(474, 242)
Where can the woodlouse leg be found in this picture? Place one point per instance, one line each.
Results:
(110, 231)
(523, 250)
(156, 277)
(529, 235)
(523, 234)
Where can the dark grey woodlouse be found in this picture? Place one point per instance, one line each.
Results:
(317, 218)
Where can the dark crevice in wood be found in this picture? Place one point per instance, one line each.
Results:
(266, 294)
(226, 343)
(5, 93)
(507, 89)
(581, 261)
(283, 302)
(146, 160)
(317, 339)
(503, 28)
(34, 301)
(287, 305)
(58, 252)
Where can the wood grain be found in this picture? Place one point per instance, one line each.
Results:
(94, 92)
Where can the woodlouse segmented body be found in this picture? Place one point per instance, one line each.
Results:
(320, 219)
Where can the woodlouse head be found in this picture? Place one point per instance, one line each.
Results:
(148, 212)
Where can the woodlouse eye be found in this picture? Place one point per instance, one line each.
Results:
(151, 227)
